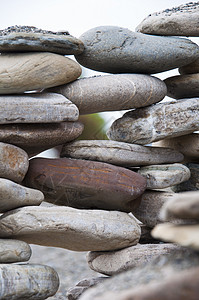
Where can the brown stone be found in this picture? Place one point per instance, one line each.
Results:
(35, 138)
(190, 68)
(85, 184)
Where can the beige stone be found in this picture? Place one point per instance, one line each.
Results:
(13, 162)
(190, 68)
(113, 262)
(20, 72)
(73, 229)
(12, 251)
(119, 153)
(184, 235)
(162, 176)
(156, 122)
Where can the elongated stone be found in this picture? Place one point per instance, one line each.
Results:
(162, 176)
(34, 282)
(29, 38)
(37, 71)
(188, 145)
(115, 49)
(32, 108)
(182, 205)
(183, 86)
(35, 138)
(111, 263)
(153, 123)
(181, 20)
(13, 195)
(151, 203)
(193, 183)
(113, 92)
(190, 68)
(13, 162)
(12, 251)
(85, 184)
(119, 153)
(184, 235)
(69, 228)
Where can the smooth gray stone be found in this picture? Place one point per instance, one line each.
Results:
(157, 270)
(113, 262)
(191, 68)
(32, 108)
(27, 281)
(12, 251)
(113, 92)
(156, 122)
(181, 20)
(13, 195)
(14, 162)
(118, 153)
(34, 71)
(183, 86)
(29, 38)
(193, 183)
(115, 49)
(69, 228)
(162, 176)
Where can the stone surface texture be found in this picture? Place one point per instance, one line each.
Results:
(37, 108)
(157, 122)
(38, 70)
(181, 21)
(190, 68)
(69, 228)
(85, 184)
(12, 251)
(115, 49)
(193, 183)
(113, 92)
(35, 138)
(13, 162)
(29, 38)
(119, 153)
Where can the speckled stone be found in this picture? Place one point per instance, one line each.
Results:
(13, 162)
(12, 251)
(191, 68)
(38, 70)
(35, 138)
(193, 183)
(29, 38)
(85, 184)
(157, 122)
(163, 176)
(118, 153)
(33, 108)
(183, 86)
(113, 92)
(115, 49)
(27, 281)
(181, 20)
(69, 228)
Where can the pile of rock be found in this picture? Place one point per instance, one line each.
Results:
(97, 185)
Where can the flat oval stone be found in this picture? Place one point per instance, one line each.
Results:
(162, 176)
(181, 20)
(113, 92)
(118, 153)
(156, 122)
(32, 108)
(13, 195)
(184, 235)
(69, 228)
(35, 138)
(111, 263)
(27, 281)
(115, 49)
(85, 184)
(191, 68)
(29, 38)
(13, 162)
(12, 251)
(183, 205)
(151, 203)
(188, 145)
(37, 71)
(183, 86)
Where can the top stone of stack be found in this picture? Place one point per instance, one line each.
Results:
(181, 21)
